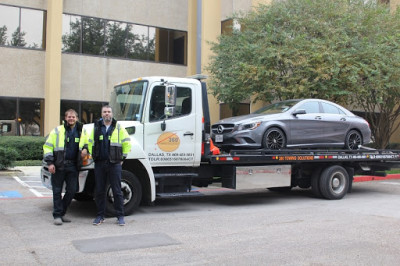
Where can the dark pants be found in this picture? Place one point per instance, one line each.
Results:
(70, 176)
(105, 171)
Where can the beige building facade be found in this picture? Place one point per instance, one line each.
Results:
(51, 65)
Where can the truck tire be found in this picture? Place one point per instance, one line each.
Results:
(315, 183)
(131, 193)
(334, 182)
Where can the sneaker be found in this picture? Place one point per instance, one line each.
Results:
(98, 220)
(65, 219)
(58, 221)
(120, 221)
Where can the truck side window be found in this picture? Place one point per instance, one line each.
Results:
(157, 103)
(183, 101)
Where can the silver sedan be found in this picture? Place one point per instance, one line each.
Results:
(306, 123)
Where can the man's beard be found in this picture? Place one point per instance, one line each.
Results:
(107, 119)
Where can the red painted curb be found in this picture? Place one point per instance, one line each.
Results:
(375, 178)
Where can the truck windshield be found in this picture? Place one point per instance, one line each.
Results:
(127, 100)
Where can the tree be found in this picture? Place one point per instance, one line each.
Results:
(72, 41)
(116, 36)
(3, 35)
(18, 38)
(344, 51)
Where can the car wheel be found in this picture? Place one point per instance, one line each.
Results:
(353, 140)
(274, 139)
(334, 182)
(131, 194)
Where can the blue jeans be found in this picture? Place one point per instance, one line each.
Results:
(105, 171)
(70, 176)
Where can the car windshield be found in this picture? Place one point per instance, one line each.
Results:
(127, 100)
(276, 108)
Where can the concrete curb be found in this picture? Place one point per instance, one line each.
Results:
(375, 178)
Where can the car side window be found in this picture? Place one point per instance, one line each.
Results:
(310, 107)
(331, 109)
(157, 103)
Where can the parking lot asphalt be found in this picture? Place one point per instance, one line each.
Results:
(226, 228)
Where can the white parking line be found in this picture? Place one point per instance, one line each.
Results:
(31, 188)
(391, 183)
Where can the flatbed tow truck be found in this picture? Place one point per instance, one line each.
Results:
(169, 124)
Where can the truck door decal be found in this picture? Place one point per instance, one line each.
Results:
(168, 141)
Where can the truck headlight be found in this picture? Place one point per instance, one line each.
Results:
(249, 126)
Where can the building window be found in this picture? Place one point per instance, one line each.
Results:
(96, 36)
(22, 116)
(88, 112)
(22, 27)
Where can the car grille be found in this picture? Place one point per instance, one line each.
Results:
(222, 128)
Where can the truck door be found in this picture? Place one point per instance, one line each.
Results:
(176, 145)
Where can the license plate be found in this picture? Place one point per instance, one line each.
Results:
(219, 138)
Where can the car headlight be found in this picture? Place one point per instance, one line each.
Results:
(249, 126)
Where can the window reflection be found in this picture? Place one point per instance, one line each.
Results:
(30, 116)
(9, 23)
(119, 39)
(21, 116)
(93, 36)
(116, 39)
(32, 26)
(71, 38)
(139, 40)
(22, 27)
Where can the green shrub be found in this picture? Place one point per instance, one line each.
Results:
(7, 157)
(27, 147)
(28, 163)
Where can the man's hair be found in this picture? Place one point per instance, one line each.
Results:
(106, 106)
(71, 111)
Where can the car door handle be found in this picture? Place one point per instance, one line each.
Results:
(342, 119)
(318, 117)
(188, 134)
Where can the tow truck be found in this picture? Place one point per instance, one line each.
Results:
(168, 121)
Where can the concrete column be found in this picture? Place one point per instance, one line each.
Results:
(53, 65)
(192, 37)
(211, 29)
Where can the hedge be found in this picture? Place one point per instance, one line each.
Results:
(7, 157)
(27, 147)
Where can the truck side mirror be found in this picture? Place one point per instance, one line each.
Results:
(170, 95)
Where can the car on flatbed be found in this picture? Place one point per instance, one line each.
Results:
(303, 123)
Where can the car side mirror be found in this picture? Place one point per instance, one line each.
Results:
(299, 112)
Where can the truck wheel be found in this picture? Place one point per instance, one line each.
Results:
(315, 182)
(353, 140)
(274, 139)
(131, 193)
(334, 182)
